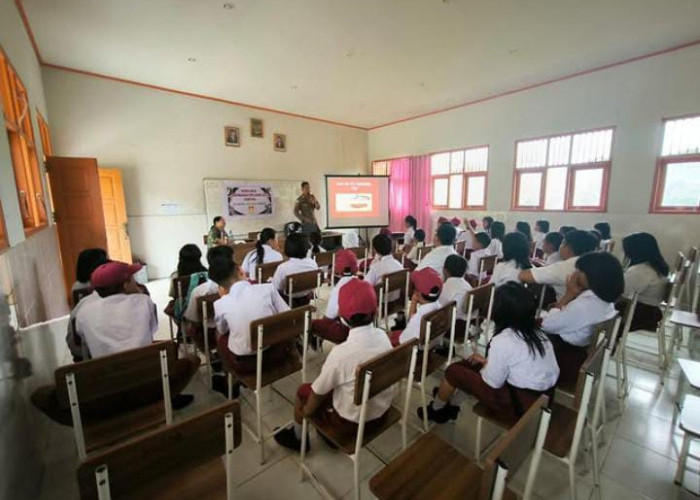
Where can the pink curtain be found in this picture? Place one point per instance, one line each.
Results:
(420, 193)
(399, 192)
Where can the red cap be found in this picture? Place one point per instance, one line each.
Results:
(356, 297)
(426, 280)
(456, 221)
(345, 259)
(113, 274)
(442, 220)
(473, 223)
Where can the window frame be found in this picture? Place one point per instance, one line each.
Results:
(31, 196)
(571, 170)
(662, 163)
(465, 181)
(44, 134)
(4, 237)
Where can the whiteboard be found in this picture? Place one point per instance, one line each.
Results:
(284, 196)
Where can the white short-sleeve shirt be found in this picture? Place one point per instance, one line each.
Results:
(436, 258)
(539, 239)
(332, 307)
(552, 258)
(243, 304)
(574, 323)
(475, 260)
(412, 330)
(250, 262)
(650, 285)
(292, 266)
(117, 323)
(511, 360)
(505, 272)
(455, 289)
(339, 369)
(382, 266)
(408, 236)
(495, 248)
(206, 288)
(555, 275)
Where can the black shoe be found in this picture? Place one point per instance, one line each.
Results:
(219, 383)
(328, 442)
(181, 400)
(441, 416)
(216, 366)
(442, 351)
(288, 439)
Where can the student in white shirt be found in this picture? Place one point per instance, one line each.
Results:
(330, 327)
(524, 227)
(88, 260)
(241, 303)
(315, 240)
(480, 244)
(384, 263)
(520, 363)
(266, 251)
(497, 233)
(116, 318)
(427, 285)
(604, 230)
(418, 242)
(486, 224)
(647, 275)
(550, 247)
(455, 289)
(411, 225)
(541, 230)
(575, 244)
(457, 223)
(591, 293)
(332, 393)
(516, 258)
(189, 262)
(444, 246)
(296, 248)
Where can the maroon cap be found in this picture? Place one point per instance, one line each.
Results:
(345, 259)
(113, 274)
(426, 280)
(473, 223)
(356, 297)
(456, 221)
(442, 220)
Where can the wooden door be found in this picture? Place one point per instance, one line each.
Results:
(114, 208)
(75, 191)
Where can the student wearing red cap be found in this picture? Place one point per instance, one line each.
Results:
(457, 223)
(118, 317)
(330, 327)
(520, 364)
(427, 285)
(331, 395)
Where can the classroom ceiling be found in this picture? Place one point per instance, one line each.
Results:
(359, 62)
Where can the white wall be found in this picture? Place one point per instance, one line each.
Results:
(634, 98)
(167, 143)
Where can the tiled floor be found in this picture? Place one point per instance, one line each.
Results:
(638, 460)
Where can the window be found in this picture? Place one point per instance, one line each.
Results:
(18, 125)
(567, 172)
(459, 178)
(381, 167)
(677, 180)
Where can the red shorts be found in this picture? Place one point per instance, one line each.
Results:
(570, 358)
(395, 338)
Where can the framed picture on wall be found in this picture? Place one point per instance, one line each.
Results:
(232, 136)
(256, 127)
(280, 142)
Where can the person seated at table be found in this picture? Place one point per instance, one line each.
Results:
(296, 248)
(266, 251)
(550, 247)
(330, 327)
(574, 244)
(455, 288)
(604, 230)
(486, 224)
(647, 275)
(427, 286)
(411, 226)
(217, 233)
(498, 232)
(591, 292)
(443, 240)
(516, 258)
(541, 230)
(480, 245)
(519, 365)
(418, 242)
(384, 263)
(241, 303)
(331, 395)
(316, 241)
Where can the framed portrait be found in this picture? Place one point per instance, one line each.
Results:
(280, 142)
(232, 136)
(256, 127)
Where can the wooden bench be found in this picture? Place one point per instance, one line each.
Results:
(265, 272)
(102, 380)
(397, 282)
(423, 251)
(478, 303)
(372, 377)
(206, 342)
(308, 281)
(433, 469)
(240, 250)
(182, 461)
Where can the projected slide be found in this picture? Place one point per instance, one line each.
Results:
(357, 201)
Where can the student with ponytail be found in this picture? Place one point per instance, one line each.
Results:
(266, 251)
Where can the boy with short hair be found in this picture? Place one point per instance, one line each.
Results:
(480, 249)
(332, 393)
(550, 247)
(427, 286)
(455, 289)
(444, 247)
